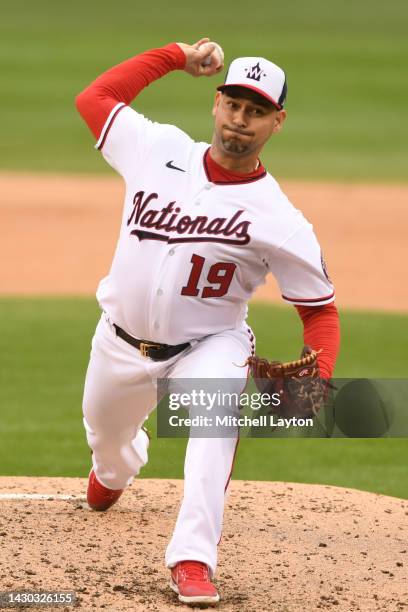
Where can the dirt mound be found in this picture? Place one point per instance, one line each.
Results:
(286, 547)
(59, 235)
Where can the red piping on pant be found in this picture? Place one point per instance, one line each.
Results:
(235, 451)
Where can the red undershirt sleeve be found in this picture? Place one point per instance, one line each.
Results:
(124, 82)
(321, 330)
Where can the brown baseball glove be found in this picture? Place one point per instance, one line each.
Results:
(301, 390)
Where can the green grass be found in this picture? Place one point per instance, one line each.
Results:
(44, 349)
(346, 65)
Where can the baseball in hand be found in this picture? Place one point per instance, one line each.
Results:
(217, 56)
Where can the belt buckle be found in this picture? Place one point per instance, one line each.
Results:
(145, 346)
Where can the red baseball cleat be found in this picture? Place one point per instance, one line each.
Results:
(100, 497)
(191, 581)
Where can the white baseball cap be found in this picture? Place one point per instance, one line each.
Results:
(260, 75)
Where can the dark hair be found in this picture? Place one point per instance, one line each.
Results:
(236, 91)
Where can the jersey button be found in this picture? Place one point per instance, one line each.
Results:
(198, 203)
(171, 252)
(160, 292)
(208, 186)
(156, 325)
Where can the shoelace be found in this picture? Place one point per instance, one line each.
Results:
(194, 570)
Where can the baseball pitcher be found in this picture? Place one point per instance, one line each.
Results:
(202, 226)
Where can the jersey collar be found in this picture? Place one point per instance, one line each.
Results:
(221, 176)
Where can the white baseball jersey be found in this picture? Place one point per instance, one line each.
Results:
(191, 252)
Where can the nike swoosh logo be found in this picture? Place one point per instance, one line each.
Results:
(170, 165)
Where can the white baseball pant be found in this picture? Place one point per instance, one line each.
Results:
(120, 392)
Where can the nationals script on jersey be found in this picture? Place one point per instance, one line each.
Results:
(191, 252)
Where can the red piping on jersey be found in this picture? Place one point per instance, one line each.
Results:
(321, 331)
(222, 176)
(124, 82)
(115, 114)
(309, 301)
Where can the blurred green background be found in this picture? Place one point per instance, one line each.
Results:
(346, 66)
(45, 348)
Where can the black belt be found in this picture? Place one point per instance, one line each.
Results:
(157, 352)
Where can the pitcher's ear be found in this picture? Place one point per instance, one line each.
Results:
(279, 121)
(216, 102)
